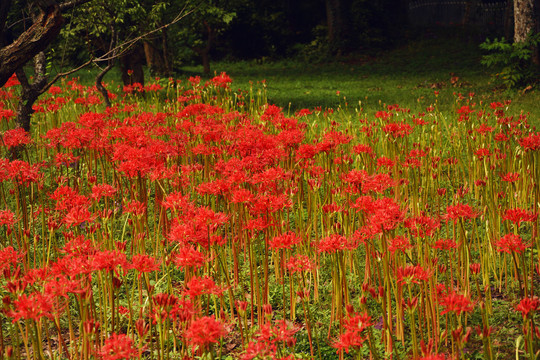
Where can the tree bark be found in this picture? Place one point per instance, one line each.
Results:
(523, 19)
(204, 52)
(5, 5)
(131, 65)
(526, 23)
(110, 63)
(34, 40)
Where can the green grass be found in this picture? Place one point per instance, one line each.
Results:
(407, 76)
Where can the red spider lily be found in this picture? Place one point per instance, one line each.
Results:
(259, 349)
(383, 161)
(377, 183)
(109, 260)
(12, 81)
(303, 112)
(482, 153)
(531, 142)
(178, 202)
(336, 138)
(484, 128)
(464, 112)
(460, 211)
(24, 173)
(78, 215)
(400, 243)
(517, 216)
(144, 264)
(241, 196)
(55, 90)
(422, 226)
(434, 357)
(8, 257)
(282, 333)
(300, 263)
(16, 137)
(475, 268)
(510, 177)
(201, 286)
(398, 129)
(381, 114)
(412, 274)
(117, 347)
(33, 307)
(61, 286)
(68, 198)
(363, 149)
(78, 246)
(204, 331)
(170, 307)
(501, 137)
(67, 160)
(528, 306)
(188, 257)
(333, 243)
(135, 207)
(332, 208)
(223, 80)
(6, 113)
(511, 243)
(455, 303)
(444, 244)
(384, 215)
(103, 190)
(357, 322)
(7, 217)
(349, 339)
(285, 241)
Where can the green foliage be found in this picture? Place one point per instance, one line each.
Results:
(513, 60)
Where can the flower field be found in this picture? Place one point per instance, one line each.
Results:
(190, 221)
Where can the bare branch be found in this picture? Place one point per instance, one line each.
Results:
(66, 73)
(37, 38)
(68, 5)
(125, 46)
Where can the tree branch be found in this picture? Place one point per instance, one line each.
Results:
(126, 45)
(68, 5)
(34, 40)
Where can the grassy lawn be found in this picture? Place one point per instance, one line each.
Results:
(407, 76)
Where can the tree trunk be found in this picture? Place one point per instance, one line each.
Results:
(34, 40)
(110, 63)
(206, 61)
(5, 5)
(526, 23)
(132, 66)
(205, 51)
(523, 19)
(155, 58)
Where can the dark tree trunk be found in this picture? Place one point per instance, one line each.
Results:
(333, 20)
(205, 51)
(509, 20)
(206, 61)
(525, 24)
(523, 19)
(34, 40)
(131, 65)
(110, 63)
(5, 5)
(31, 91)
(536, 50)
(156, 58)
